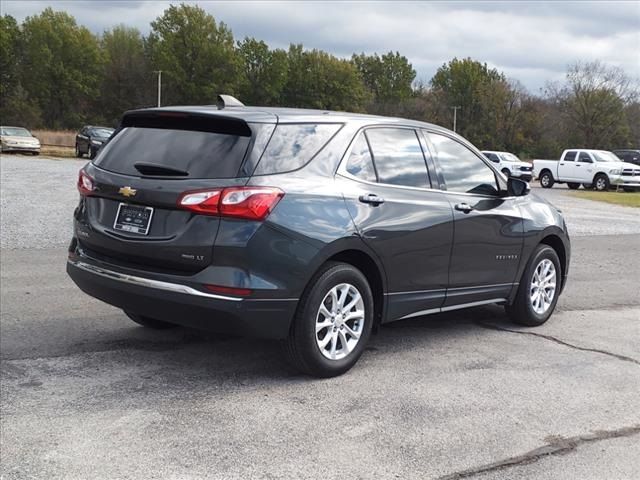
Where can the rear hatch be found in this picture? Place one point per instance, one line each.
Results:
(129, 211)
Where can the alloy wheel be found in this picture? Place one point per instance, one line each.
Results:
(543, 286)
(340, 321)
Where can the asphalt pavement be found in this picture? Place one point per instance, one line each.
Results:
(85, 393)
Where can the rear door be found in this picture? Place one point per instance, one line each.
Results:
(488, 228)
(132, 214)
(408, 225)
(567, 171)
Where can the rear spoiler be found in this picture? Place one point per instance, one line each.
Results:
(183, 120)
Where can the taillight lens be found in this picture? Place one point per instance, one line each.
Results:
(251, 203)
(85, 183)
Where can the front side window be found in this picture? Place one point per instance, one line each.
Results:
(463, 170)
(360, 163)
(292, 146)
(492, 156)
(398, 157)
(584, 157)
(570, 156)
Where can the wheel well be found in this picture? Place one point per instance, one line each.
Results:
(368, 267)
(546, 170)
(554, 242)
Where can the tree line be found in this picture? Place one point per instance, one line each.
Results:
(56, 74)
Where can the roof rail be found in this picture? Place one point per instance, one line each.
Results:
(228, 101)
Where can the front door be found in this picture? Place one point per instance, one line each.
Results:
(488, 228)
(409, 226)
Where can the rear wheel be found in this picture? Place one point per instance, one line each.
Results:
(333, 322)
(539, 288)
(601, 182)
(149, 322)
(546, 179)
(573, 186)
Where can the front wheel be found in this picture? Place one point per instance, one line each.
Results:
(333, 322)
(546, 180)
(573, 186)
(601, 183)
(78, 153)
(539, 288)
(149, 322)
(506, 172)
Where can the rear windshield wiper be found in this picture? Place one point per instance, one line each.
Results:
(154, 169)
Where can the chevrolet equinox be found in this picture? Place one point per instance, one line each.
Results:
(312, 227)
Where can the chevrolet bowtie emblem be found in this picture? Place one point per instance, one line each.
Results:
(127, 191)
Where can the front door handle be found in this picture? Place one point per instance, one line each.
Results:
(463, 207)
(371, 198)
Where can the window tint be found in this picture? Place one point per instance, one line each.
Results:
(398, 157)
(584, 157)
(200, 154)
(463, 171)
(360, 163)
(493, 157)
(293, 145)
(570, 156)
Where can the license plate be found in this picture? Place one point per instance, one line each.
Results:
(133, 219)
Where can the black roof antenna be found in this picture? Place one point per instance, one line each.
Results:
(228, 101)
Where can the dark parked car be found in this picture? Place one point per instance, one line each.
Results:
(628, 155)
(89, 140)
(312, 227)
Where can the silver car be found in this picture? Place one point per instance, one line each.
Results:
(18, 139)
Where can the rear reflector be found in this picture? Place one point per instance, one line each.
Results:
(239, 292)
(251, 203)
(85, 183)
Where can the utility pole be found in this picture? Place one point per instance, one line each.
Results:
(159, 72)
(455, 111)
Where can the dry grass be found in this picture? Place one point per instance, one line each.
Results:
(56, 138)
(52, 151)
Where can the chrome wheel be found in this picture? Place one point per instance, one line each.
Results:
(340, 321)
(543, 286)
(544, 180)
(601, 183)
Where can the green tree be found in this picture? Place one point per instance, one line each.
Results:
(61, 67)
(127, 82)
(196, 55)
(389, 77)
(319, 80)
(264, 72)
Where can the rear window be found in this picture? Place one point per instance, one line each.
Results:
(198, 154)
(292, 146)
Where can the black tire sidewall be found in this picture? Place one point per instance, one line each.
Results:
(551, 181)
(541, 252)
(305, 331)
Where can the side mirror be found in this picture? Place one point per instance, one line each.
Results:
(517, 187)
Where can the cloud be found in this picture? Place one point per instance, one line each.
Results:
(530, 41)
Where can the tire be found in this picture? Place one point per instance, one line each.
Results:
(506, 172)
(601, 183)
(78, 154)
(573, 186)
(529, 307)
(303, 347)
(149, 322)
(546, 179)
(90, 153)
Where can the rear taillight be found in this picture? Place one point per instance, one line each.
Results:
(85, 183)
(251, 203)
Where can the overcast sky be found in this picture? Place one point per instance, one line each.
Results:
(530, 41)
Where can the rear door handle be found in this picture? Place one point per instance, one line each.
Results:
(463, 207)
(371, 198)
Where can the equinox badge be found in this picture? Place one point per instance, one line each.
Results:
(127, 191)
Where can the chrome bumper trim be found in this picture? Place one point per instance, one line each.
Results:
(148, 282)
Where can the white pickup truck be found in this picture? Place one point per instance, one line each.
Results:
(597, 169)
(510, 165)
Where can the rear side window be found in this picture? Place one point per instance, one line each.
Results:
(198, 154)
(398, 157)
(292, 146)
(570, 156)
(360, 163)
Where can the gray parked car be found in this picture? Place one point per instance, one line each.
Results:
(311, 227)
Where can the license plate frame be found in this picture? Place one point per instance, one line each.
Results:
(138, 224)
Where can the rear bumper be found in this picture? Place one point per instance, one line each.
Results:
(181, 304)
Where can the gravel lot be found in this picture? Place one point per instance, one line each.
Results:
(84, 393)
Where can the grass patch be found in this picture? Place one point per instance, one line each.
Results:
(63, 152)
(619, 198)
